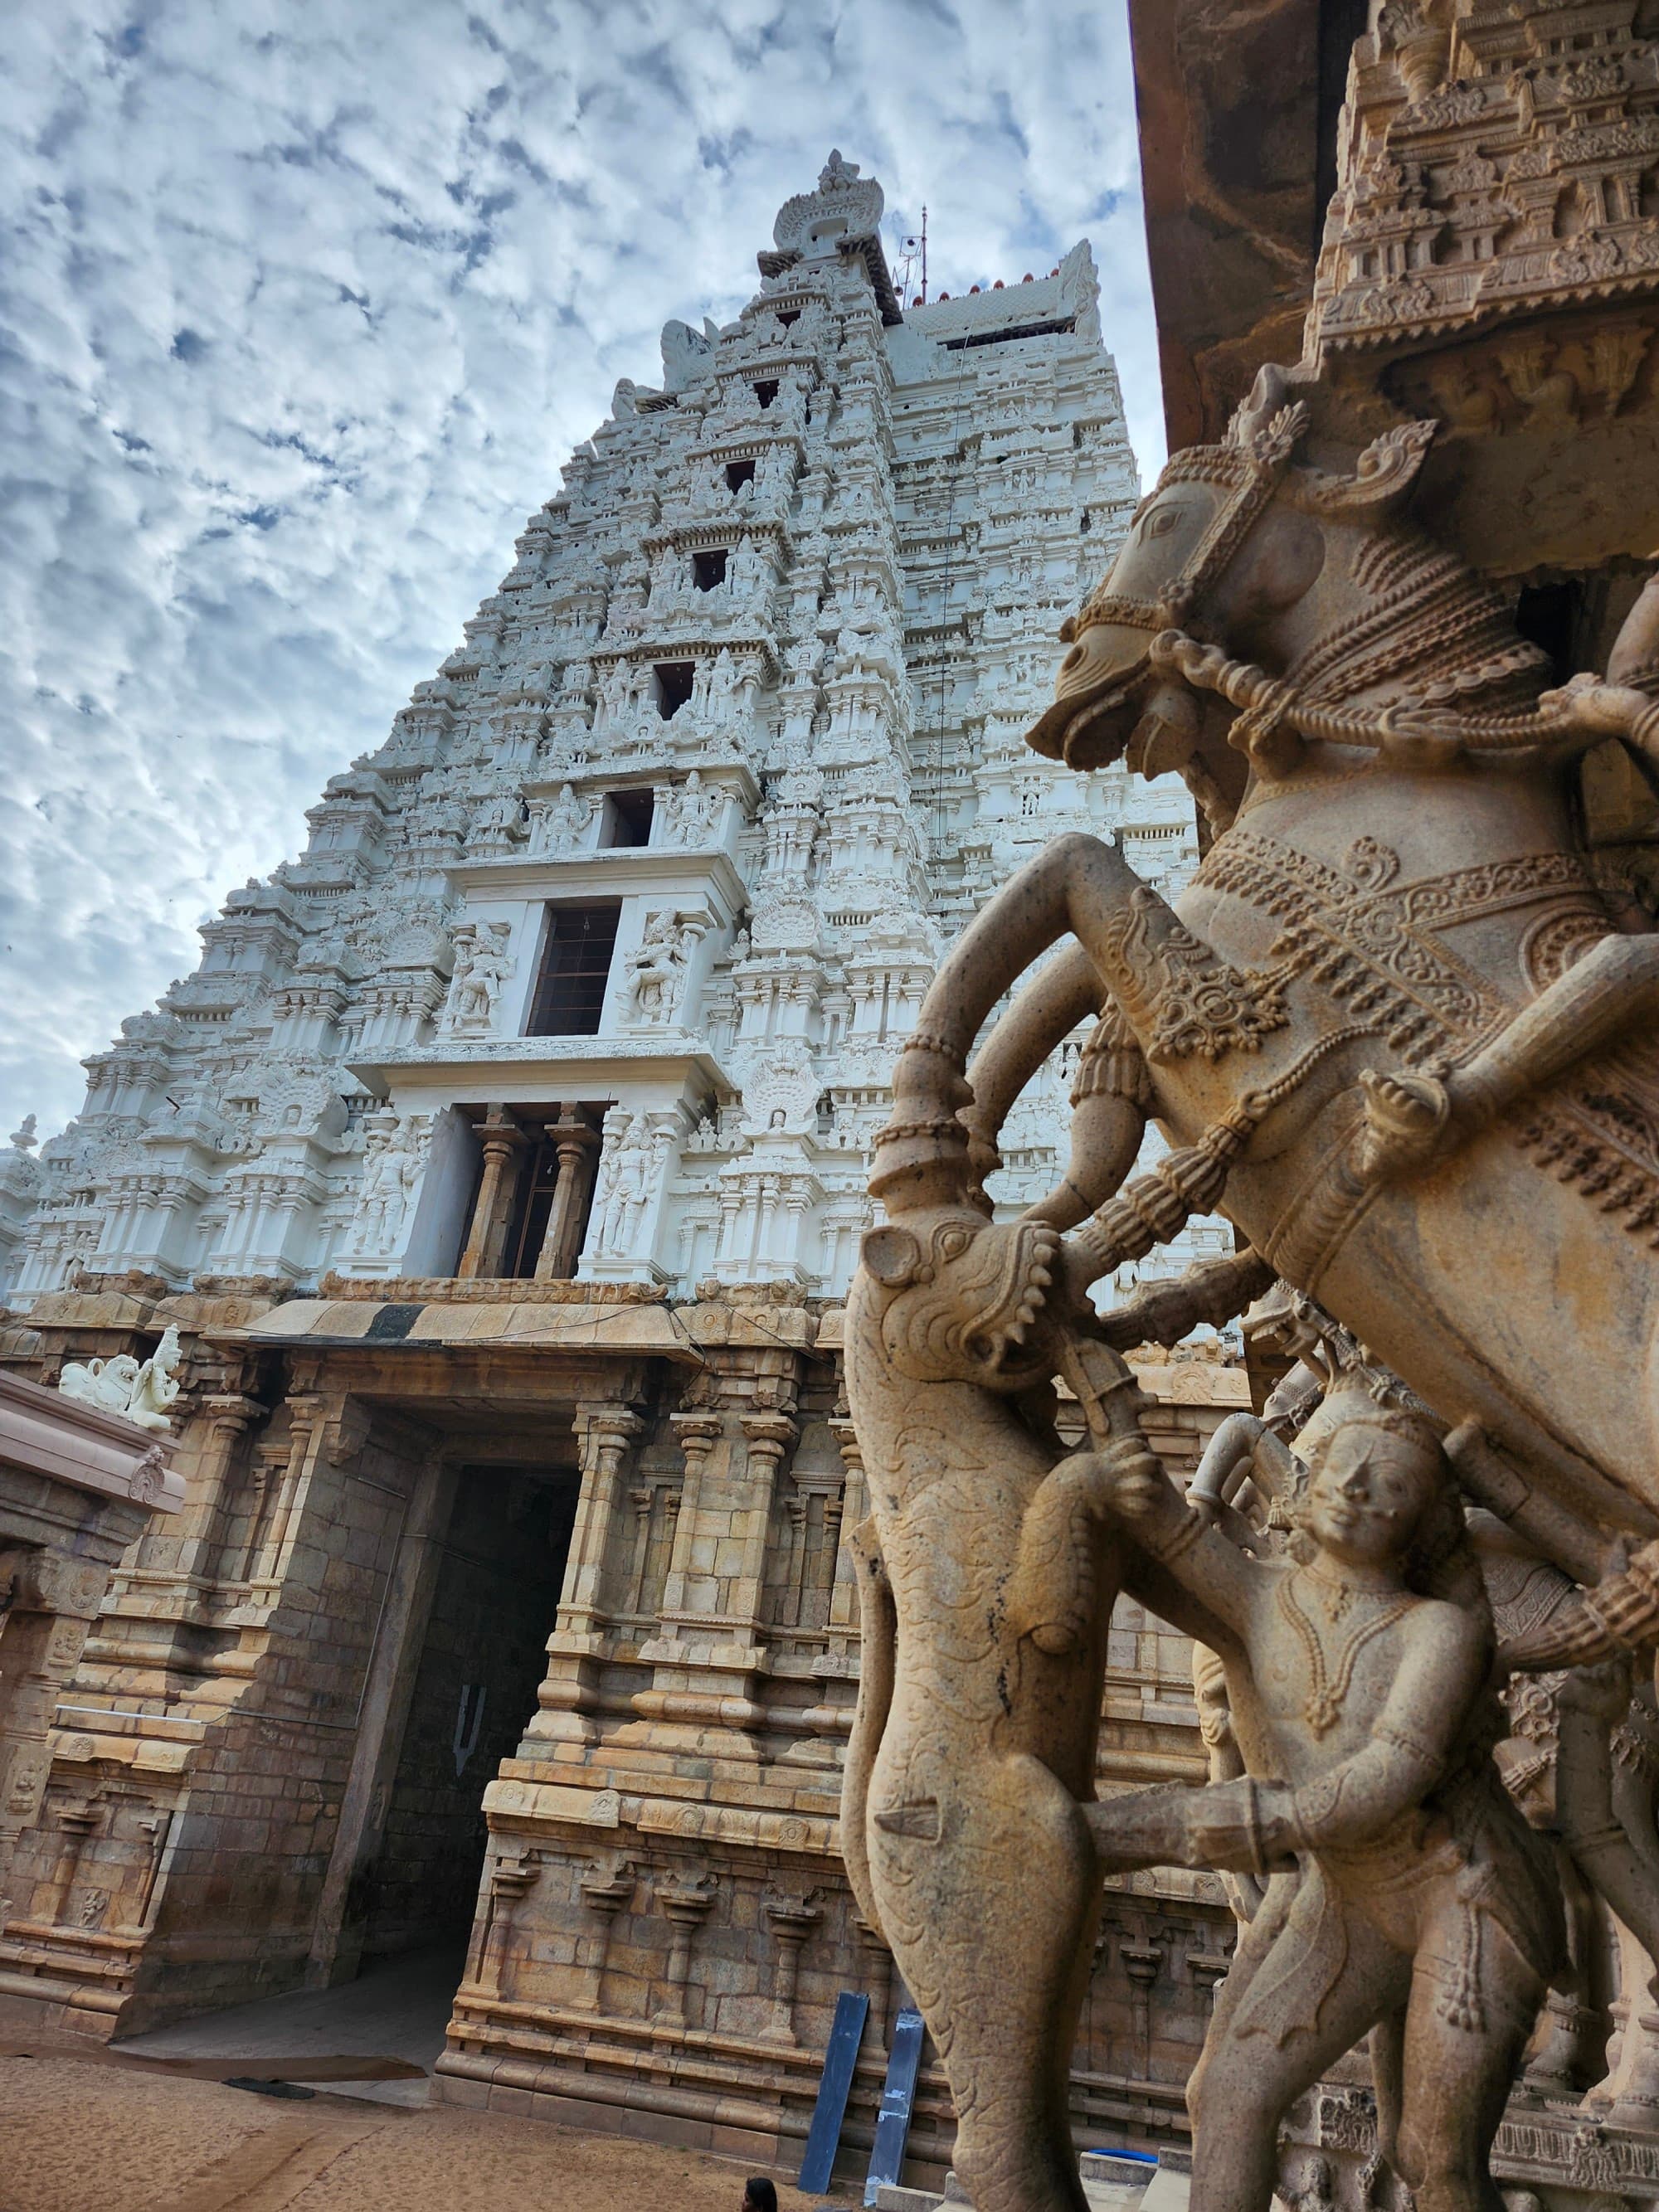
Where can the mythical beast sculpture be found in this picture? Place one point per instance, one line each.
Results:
(1393, 1030)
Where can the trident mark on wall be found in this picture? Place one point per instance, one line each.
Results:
(464, 1742)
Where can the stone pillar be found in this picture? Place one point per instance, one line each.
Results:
(1209, 1970)
(606, 1432)
(501, 1138)
(578, 1149)
(226, 1419)
(793, 1916)
(510, 1875)
(568, 1691)
(1141, 1962)
(698, 1433)
(769, 1435)
(685, 1903)
(50, 1602)
(608, 1887)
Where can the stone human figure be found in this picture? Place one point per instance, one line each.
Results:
(1402, 1886)
(623, 1188)
(566, 821)
(156, 1388)
(656, 964)
(391, 1162)
(481, 967)
(690, 812)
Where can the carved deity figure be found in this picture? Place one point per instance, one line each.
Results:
(629, 1164)
(1402, 1886)
(656, 967)
(482, 964)
(392, 1153)
(156, 1388)
(566, 821)
(690, 812)
(142, 1392)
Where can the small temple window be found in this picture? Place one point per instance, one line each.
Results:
(708, 569)
(627, 819)
(673, 686)
(575, 968)
(766, 392)
(738, 474)
(787, 316)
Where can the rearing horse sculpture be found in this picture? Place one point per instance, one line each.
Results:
(1393, 1029)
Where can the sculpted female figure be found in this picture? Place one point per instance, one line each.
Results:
(1404, 1888)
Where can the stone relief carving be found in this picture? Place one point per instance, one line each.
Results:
(563, 824)
(394, 1153)
(482, 965)
(1394, 1028)
(656, 967)
(630, 1174)
(688, 814)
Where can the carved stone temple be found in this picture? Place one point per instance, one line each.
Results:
(502, 1170)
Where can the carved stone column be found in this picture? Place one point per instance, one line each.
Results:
(877, 1977)
(1209, 1970)
(513, 1873)
(608, 1887)
(1141, 1962)
(698, 1433)
(793, 1916)
(567, 1694)
(227, 1419)
(685, 1903)
(578, 1147)
(769, 1435)
(502, 1140)
(50, 1602)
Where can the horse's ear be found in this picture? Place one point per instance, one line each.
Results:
(1383, 476)
(892, 1255)
(1268, 424)
(1252, 414)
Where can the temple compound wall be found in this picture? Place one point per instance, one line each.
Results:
(502, 1168)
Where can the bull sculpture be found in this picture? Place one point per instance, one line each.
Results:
(1396, 1033)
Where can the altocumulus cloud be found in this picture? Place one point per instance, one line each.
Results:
(302, 308)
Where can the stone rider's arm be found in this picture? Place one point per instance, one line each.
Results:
(1179, 1539)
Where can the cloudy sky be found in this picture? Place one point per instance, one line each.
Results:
(302, 305)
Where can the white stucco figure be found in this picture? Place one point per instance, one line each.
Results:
(143, 1392)
(482, 964)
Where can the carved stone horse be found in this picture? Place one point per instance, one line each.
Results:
(1393, 1030)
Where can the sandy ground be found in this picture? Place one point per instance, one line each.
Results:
(82, 2137)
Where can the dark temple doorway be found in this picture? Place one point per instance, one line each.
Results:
(494, 1598)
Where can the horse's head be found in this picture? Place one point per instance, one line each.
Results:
(1304, 572)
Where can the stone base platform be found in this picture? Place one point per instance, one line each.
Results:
(1562, 2156)
(1111, 2183)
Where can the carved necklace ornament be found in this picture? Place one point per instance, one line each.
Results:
(1328, 1686)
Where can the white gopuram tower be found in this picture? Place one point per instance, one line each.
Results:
(599, 965)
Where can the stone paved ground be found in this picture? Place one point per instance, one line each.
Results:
(84, 2136)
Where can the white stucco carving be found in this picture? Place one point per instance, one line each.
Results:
(845, 782)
